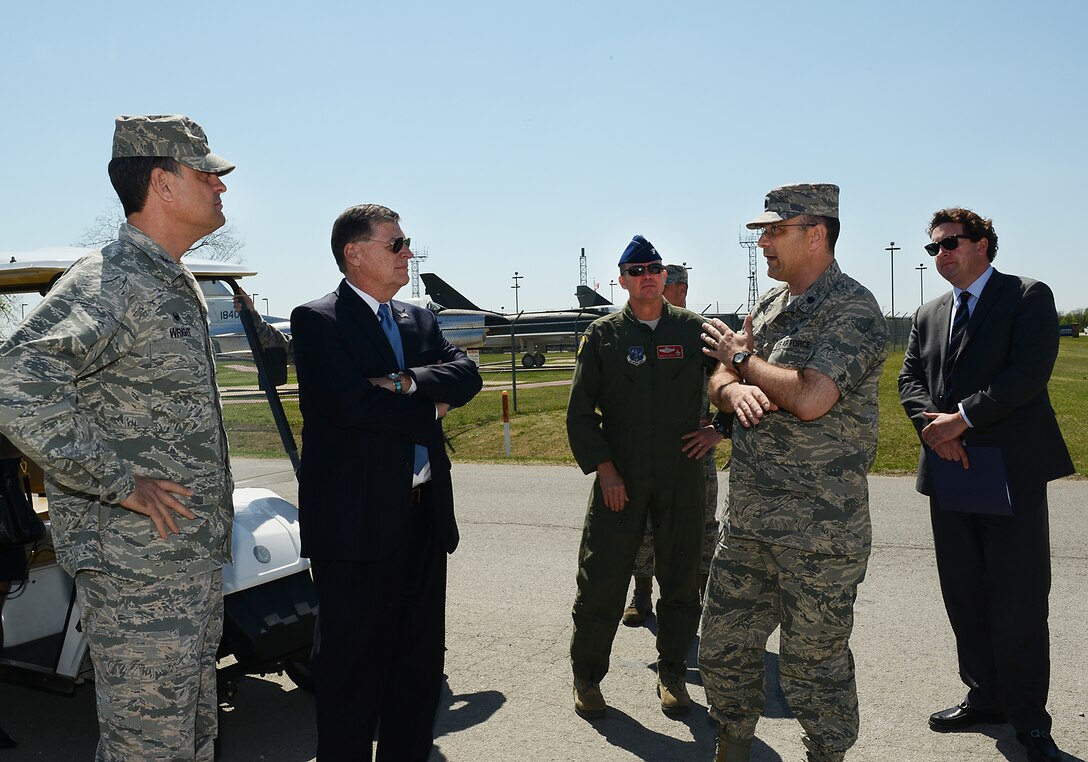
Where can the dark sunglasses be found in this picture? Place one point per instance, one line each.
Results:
(396, 244)
(636, 271)
(949, 244)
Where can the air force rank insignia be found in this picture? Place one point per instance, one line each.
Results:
(636, 355)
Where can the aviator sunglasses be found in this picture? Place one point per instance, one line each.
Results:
(951, 243)
(636, 271)
(396, 244)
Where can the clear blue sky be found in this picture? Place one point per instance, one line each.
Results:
(510, 135)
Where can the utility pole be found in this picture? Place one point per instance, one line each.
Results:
(891, 249)
(516, 287)
(921, 294)
(265, 300)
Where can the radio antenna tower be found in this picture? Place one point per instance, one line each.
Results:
(582, 280)
(748, 240)
(418, 255)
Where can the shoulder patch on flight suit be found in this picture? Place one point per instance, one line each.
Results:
(636, 355)
(581, 343)
(670, 352)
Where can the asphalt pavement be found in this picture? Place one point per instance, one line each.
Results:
(508, 693)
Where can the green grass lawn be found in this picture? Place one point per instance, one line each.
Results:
(538, 428)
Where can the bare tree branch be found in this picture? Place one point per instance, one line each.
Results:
(224, 245)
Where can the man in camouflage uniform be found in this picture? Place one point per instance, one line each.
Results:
(697, 444)
(801, 378)
(643, 369)
(109, 384)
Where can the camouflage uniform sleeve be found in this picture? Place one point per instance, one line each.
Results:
(855, 338)
(584, 432)
(271, 337)
(79, 328)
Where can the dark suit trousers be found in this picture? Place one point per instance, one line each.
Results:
(380, 646)
(995, 579)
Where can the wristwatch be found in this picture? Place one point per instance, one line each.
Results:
(398, 385)
(739, 359)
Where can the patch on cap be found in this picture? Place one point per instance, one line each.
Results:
(173, 135)
(816, 199)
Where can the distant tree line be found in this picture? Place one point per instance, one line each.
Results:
(1073, 316)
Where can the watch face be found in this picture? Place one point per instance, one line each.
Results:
(740, 357)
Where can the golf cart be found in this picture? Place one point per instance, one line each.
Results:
(269, 598)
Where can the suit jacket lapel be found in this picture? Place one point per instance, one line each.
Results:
(990, 295)
(986, 300)
(409, 336)
(362, 332)
(943, 327)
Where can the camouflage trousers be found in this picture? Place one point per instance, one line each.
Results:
(644, 561)
(153, 647)
(754, 587)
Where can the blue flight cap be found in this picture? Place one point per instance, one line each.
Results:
(639, 251)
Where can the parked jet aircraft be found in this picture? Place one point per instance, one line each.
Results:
(533, 332)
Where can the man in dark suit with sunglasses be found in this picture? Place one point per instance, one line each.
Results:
(375, 496)
(637, 389)
(974, 383)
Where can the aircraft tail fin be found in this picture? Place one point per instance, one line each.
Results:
(445, 294)
(587, 297)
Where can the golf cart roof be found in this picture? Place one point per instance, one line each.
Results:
(35, 270)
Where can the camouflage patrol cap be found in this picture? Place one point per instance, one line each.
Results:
(676, 274)
(784, 202)
(172, 135)
(639, 251)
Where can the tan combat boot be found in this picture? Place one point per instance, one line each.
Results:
(732, 750)
(588, 701)
(673, 692)
(641, 603)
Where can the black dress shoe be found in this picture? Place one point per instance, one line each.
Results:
(1040, 746)
(962, 717)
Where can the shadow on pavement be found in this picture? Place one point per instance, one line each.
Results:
(263, 721)
(458, 712)
(623, 731)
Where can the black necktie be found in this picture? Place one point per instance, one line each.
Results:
(959, 328)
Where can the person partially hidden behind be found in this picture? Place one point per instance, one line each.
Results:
(975, 375)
